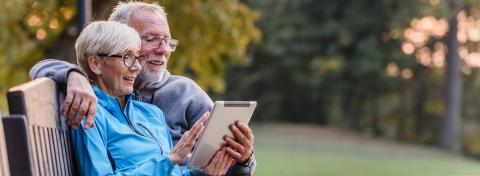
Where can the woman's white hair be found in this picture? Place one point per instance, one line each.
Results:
(124, 10)
(104, 37)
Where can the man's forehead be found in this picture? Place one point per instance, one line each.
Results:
(149, 23)
(149, 17)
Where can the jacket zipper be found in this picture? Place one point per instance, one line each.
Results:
(139, 95)
(151, 134)
(138, 132)
(129, 122)
(131, 125)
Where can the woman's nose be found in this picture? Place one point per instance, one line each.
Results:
(136, 66)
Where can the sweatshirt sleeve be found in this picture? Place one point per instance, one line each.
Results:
(239, 169)
(200, 103)
(54, 69)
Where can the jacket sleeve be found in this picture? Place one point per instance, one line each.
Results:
(54, 69)
(91, 155)
(90, 150)
(184, 172)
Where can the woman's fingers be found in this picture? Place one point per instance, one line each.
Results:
(225, 164)
(189, 138)
(204, 117)
(202, 120)
(198, 127)
(222, 160)
(211, 168)
(192, 136)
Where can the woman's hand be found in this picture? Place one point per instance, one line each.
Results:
(220, 163)
(186, 143)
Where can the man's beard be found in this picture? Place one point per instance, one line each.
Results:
(147, 76)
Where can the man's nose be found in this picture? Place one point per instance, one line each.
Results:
(161, 49)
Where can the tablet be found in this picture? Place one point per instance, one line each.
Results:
(224, 114)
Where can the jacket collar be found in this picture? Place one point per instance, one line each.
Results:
(109, 102)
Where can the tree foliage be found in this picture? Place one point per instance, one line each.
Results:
(361, 64)
(28, 27)
(318, 64)
(212, 34)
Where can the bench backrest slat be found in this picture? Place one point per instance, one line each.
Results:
(4, 169)
(48, 143)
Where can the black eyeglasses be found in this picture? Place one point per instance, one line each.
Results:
(128, 58)
(154, 41)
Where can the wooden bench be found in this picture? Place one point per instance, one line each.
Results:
(4, 169)
(38, 141)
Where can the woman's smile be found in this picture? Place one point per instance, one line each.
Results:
(129, 79)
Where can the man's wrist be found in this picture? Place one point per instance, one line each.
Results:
(76, 71)
(249, 160)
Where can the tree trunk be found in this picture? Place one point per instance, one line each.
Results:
(403, 113)
(449, 137)
(420, 92)
(375, 121)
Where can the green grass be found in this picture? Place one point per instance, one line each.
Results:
(309, 150)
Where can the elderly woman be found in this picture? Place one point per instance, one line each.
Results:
(129, 137)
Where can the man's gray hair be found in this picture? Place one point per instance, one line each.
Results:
(104, 37)
(124, 10)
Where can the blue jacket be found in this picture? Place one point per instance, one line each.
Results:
(135, 141)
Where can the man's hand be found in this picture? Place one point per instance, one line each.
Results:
(185, 145)
(220, 163)
(242, 149)
(80, 101)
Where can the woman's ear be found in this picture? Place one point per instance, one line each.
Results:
(95, 64)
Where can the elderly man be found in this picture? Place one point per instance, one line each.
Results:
(181, 99)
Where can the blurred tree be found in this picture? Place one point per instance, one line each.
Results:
(370, 65)
(323, 61)
(433, 46)
(450, 132)
(28, 27)
(212, 34)
(66, 40)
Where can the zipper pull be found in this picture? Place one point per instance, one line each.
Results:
(138, 95)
